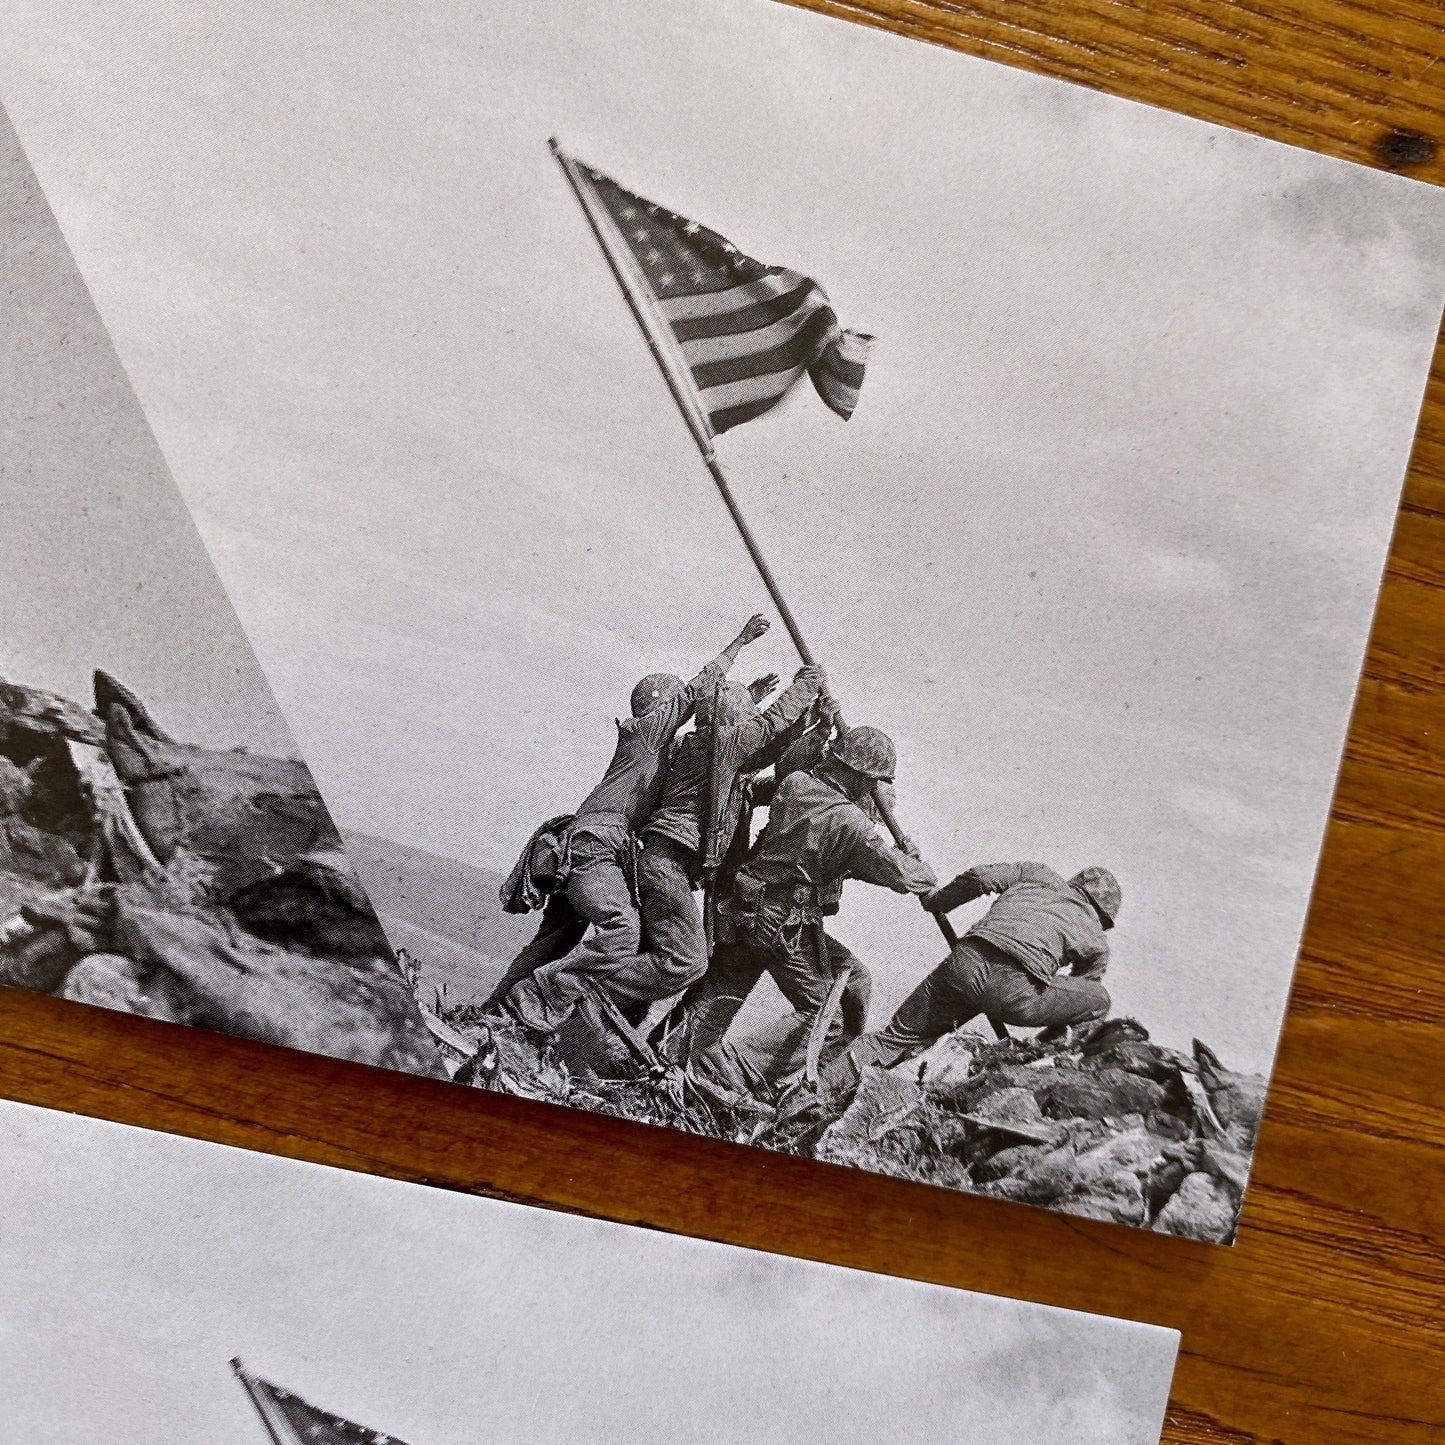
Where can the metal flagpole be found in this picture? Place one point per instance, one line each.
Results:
(654, 332)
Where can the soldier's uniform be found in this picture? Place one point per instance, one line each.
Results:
(815, 839)
(596, 847)
(1011, 964)
(669, 867)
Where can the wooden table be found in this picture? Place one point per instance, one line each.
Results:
(1327, 1321)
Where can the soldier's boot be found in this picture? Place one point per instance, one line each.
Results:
(530, 1004)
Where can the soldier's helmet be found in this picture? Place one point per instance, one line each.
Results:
(732, 704)
(869, 751)
(651, 691)
(1102, 889)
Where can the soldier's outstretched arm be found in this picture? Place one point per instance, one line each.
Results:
(888, 867)
(986, 878)
(662, 722)
(804, 744)
(755, 627)
(755, 739)
(962, 889)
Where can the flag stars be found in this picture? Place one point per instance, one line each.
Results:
(677, 256)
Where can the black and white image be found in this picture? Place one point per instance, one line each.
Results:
(162, 849)
(157, 1288)
(822, 580)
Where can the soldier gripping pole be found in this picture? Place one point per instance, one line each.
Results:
(655, 332)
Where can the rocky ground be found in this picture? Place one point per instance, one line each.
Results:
(1106, 1125)
(188, 884)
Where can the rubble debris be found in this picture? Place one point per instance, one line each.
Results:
(1101, 1093)
(352, 1009)
(113, 981)
(316, 901)
(946, 1064)
(1123, 1128)
(457, 1050)
(118, 838)
(1237, 1099)
(1096, 1177)
(190, 884)
(1201, 1208)
(240, 814)
(597, 1042)
(1103, 1124)
(883, 1104)
(111, 693)
(890, 1127)
(1016, 1113)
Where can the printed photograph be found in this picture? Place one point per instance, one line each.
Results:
(822, 580)
(155, 1288)
(163, 850)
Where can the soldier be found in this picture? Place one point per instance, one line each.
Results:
(820, 831)
(1010, 964)
(595, 847)
(701, 803)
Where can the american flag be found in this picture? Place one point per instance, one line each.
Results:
(747, 332)
(290, 1420)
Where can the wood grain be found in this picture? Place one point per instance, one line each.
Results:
(1326, 1323)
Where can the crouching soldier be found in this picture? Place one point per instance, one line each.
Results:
(1010, 964)
(701, 802)
(595, 849)
(820, 832)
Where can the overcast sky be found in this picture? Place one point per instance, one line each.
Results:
(1099, 547)
(133, 1266)
(103, 566)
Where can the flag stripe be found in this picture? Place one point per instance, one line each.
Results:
(760, 338)
(731, 416)
(744, 318)
(752, 388)
(842, 399)
(714, 303)
(796, 352)
(846, 373)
